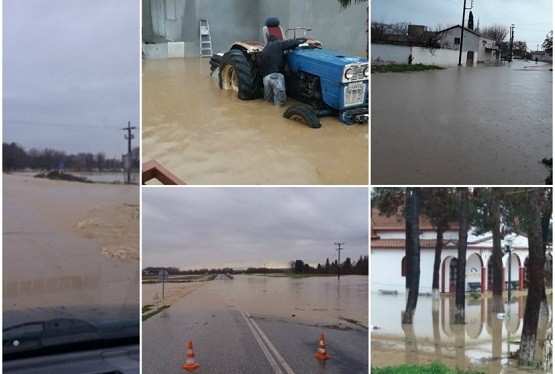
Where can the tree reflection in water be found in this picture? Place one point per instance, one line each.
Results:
(485, 343)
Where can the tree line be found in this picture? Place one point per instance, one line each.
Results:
(17, 158)
(226, 270)
(360, 267)
(496, 210)
(298, 266)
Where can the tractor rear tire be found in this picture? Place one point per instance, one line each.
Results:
(240, 74)
(303, 113)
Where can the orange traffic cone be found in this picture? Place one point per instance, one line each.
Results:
(190, 362)
(321, 353)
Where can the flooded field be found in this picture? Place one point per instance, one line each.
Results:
(205, 135)
(97, 177)
(313, 300)
(69, 249)
(480, 125)
(484, 343)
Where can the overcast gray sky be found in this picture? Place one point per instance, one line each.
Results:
(532, 19)
(71, 74)
(192, 228)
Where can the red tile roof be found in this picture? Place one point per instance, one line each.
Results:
(397, 223)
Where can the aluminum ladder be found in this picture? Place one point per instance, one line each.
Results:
(205, 41)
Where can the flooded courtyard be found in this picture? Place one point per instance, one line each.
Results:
(205, 135)
(479, 125)
(485, 343)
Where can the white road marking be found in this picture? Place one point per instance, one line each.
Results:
(258, 334)
(269, 357)
(272, 347)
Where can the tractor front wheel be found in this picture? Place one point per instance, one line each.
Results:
(303, 113)
(241, 75)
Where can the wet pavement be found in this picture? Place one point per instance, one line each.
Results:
(205, 135)
(475, 125)
(484, 343)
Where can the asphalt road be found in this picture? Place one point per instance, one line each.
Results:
(229, 340)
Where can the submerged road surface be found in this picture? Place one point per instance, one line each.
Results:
(229, 339)
(478, 125)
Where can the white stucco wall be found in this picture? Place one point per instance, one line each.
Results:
(386, 268)
(389, 53)
(442, 57)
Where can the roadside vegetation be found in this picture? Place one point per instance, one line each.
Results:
(149, 313)
(433, 368)
(403, 68)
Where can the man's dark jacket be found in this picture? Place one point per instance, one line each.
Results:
(272, 55)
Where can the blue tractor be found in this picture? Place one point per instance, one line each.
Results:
(327, 83)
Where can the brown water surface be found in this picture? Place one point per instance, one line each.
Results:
(205, 135)
(485, 343)
(312, 300)
(69, 249)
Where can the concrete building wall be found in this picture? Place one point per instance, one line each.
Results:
(229, 20)
(397, 54)
(341, 30)
(389, 53)
(442, 57)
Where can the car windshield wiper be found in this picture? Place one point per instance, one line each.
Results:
(59, 335)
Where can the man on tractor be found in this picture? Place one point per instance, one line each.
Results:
(272, 65)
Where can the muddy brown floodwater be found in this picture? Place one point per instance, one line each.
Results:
(69, 250)
(479, 125)
(484, 343)
(312, 300)
(205, 135)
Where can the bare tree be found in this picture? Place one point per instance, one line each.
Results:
(547, 44)
(496, 32)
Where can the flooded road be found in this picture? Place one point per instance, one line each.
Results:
(479, 125)
(484, 343)
(205, 135)
(256, 324)
(311, 300)
(83, 263)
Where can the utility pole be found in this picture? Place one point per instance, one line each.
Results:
(338, 249)
(511, 43)
(462, 29)
(127, 164)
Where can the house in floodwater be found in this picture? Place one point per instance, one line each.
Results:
(388, 260)
(478, 48)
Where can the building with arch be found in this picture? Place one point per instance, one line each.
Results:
(388, 263)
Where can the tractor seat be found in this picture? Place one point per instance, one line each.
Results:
(272, 27)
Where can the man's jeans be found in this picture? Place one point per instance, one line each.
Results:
(274, 88)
